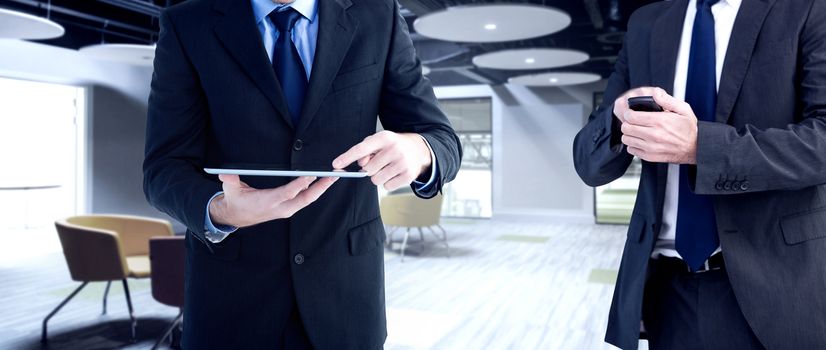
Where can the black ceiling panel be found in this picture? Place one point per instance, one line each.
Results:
(597, 28)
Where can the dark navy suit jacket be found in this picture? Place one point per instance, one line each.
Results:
(215, 100)
(763, 160)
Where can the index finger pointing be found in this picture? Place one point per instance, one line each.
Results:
(365, 148)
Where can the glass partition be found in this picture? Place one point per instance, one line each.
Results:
(469, 195)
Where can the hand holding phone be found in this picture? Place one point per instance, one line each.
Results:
(644, 104)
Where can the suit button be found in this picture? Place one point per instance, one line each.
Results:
(744, 186)
(735, 185)
(299, 259)
(298, 145)
(727, 185)
(718, 186)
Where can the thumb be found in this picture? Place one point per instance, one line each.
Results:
(231, 181)
(672, 104)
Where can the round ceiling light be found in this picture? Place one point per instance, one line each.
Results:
(555, 79)
(491, 23)
(19, 25)
(142, 55)
(526, 59)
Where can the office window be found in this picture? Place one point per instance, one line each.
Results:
(469, 195)
(38, 150)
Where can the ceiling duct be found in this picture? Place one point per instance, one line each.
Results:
(146, 8)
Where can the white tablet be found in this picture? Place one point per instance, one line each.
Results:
(287, 173)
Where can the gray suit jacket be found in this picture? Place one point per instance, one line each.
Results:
(763, 160)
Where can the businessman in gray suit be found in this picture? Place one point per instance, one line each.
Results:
(727, 243)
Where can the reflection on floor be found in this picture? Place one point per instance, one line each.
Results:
(506, 285)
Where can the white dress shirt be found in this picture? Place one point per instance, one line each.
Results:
(725, 11)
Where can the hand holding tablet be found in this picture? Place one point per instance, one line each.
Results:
(285, 172)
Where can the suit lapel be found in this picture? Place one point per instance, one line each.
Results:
(237, 32)
(666, 33)
(747, 27)
(335, 33)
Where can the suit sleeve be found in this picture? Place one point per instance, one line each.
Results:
(176, 136)
(599, 157)
(409, 105)
(789, 158)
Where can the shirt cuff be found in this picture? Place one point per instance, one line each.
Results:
(216, 233)
(424, 186)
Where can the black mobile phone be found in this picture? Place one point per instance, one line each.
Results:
(644, 104)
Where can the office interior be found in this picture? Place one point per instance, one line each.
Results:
(517, 253)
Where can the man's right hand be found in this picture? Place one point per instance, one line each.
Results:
(242, 205)
(621, 103)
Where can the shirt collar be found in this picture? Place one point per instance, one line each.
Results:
(262, 8)
(733, 3)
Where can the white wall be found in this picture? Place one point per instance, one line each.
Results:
(533, 133)
(115, 120)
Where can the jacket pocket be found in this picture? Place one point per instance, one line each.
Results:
(805, 226)
(356, 77)
(366, 237)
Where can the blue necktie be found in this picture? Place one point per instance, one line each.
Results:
(696, 224)
(287, 63)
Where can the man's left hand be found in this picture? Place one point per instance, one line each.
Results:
(662, 137)
(391, 160)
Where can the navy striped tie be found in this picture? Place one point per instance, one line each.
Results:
(696, 233)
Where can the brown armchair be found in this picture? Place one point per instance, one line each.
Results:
(168, 258)
(107, 248)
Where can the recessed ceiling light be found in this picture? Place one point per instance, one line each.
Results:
(490, 26)
(555, 79)
(537, 58)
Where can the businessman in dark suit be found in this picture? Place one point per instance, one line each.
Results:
(726, 244)
(273, 263)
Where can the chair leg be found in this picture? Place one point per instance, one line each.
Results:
(421, 238)
(404, 242)
(444, 239)
(175, 323)
(105, 295)
(390, 231)
(131, 312)
(43, 338)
